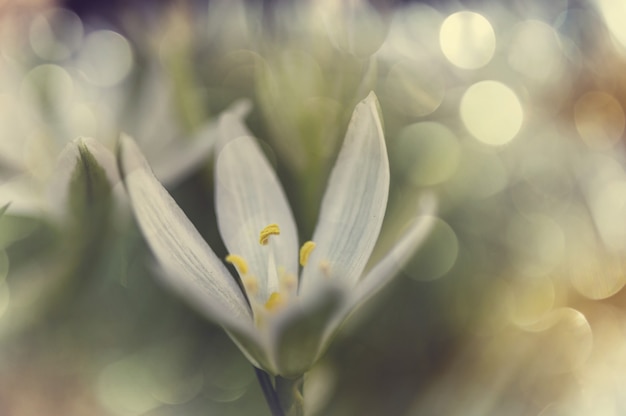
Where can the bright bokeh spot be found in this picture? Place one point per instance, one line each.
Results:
(56, 34)
(428, 153)
(414, 31)
(491, 112)
(599, 119)
(535, 50)
(106, 58)
(467, 40)
(614, 13)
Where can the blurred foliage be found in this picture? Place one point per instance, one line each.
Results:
(512, 112)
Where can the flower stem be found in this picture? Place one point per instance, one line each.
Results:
(289, 392)
(268, 391)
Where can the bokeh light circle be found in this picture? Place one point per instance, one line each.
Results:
(438, 254)
(56, 34)
(106, 58)
(492, 112)
(427, 153)
(535, 50)
(47, 90)
(599, 119)
(467, 40)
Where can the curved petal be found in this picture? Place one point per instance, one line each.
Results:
(355, 201)
(386, 268)
(191, 268)
(401, 252)
(248, 197)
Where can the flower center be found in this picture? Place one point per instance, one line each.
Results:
(280, 285)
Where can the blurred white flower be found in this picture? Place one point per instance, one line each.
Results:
(30, 188)
(281, 322)
(44, 106)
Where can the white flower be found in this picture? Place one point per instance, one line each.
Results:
(281, 322)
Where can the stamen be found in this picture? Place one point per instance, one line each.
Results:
(275, 301)
(238, 262)
(271, 229)
(305, 252)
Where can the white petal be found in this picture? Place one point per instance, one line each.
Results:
(174, 162)
(402, 251)
(355, 201)
(190, 267)
(384, 270)
(248, 197)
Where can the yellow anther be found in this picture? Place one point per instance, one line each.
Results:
(271, 229)
(305, 252)
(251, 284)
(275, 301)
(238, 262)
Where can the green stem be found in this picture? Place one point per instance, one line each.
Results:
(289, 392)
(268, 391)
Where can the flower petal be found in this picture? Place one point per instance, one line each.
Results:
(191, 268)
(248, 198)
(401, 252)
(355, 201)
(384, 270)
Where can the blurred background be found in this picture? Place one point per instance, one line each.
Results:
(511, 112)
